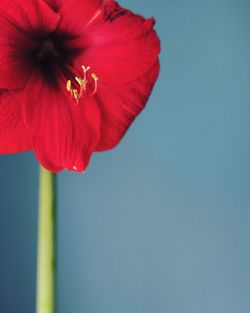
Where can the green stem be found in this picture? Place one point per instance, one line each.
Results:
(46, 243)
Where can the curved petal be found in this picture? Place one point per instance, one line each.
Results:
(119, 46)
(116, 24)
(14, 135)
(120, 105)
(64, 133)
(76, 15)
(19, 22)
(29, 16)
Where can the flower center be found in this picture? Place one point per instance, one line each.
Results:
(51, 56)
(51, 49)
(48, 49)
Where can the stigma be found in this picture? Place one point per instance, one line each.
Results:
(86, 86)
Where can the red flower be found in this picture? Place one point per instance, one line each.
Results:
(74, 75)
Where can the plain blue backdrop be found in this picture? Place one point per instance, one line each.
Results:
(161, 224)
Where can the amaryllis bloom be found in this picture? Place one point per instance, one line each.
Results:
(74, 75)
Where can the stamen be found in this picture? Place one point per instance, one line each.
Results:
(68, 86)
(83, 83)
(93, 75)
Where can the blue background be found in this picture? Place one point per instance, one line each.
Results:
(162, 223)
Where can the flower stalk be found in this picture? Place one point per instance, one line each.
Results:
(46, 254)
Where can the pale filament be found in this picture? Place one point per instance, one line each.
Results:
(95, 78)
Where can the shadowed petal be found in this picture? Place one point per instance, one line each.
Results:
(19, 21)
(120, 105)
(55, 4)
(64, 133)
(14, 135)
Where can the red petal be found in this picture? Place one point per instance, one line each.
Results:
(14, 135)
(75, 15)
(19, 20)
(29, 16)
(120, 105)
(119, 45)
(116, 24)
(64, 133)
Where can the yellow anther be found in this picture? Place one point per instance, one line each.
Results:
(79, 80)
(82, 82)
(68, 86)
(94, 77)
(75, 93)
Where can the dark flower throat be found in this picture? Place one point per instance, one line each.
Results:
(52, 55)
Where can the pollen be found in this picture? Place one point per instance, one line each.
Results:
(88, 85)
